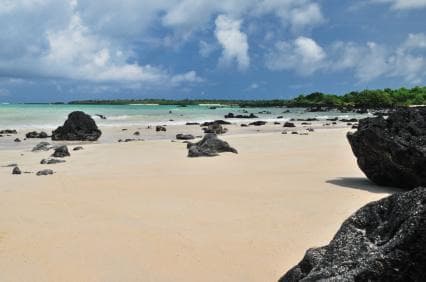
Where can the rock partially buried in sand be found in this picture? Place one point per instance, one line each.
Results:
(51, 161)
(42, 146)
(392, 151)
(78, 148)
(61, 152)
(44, 172)
(78, 127)
(185, 137)
(258, 123)
(383, 241)
(209, 146)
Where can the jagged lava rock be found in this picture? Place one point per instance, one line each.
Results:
(383, 241)
(209, 146)
(78, 127)
(392, 151)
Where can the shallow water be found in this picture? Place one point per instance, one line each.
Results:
(46, 116)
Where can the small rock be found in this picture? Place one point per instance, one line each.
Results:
(16, 170)
(159, 128)
(137, 133)
(289, 124)
(51, 161)
(61, 152)
(258, 123)
(17, 140)
(185, 137)
(42, 146)
(78, 148)
(44, 172)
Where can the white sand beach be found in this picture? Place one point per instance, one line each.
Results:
(143, 211)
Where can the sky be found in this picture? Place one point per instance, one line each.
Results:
(62, 50)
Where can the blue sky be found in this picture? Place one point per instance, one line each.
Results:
(247, 49)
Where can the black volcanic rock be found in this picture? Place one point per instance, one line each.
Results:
(392, 151)
(209, 146)
(44, 172)
(289, 124)
(61, 152)
(160, 128)
(16, 170)
(51, 161)
(231, 115)
(42, 146)
(35, 134)
(258, 123)
(215, 128)
(382, 241)
(219, 121)
(79, 126)
(181, 136)
(8, 131)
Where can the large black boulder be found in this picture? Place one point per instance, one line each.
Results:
(382, 241)
(392, 151)
(209, 146)
(79, 126)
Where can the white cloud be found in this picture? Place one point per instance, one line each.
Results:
(233, 41)
(303, 55)
(372, 60)
(403, 4)
(65, 47)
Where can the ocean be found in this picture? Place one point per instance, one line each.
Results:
(49, 116)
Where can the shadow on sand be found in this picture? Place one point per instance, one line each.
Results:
(361, 183)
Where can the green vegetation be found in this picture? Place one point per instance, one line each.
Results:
(386, 98)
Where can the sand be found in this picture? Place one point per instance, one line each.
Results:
(143, 211)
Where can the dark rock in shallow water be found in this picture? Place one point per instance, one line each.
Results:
(392, 151)
(382, 241)
(44, 172)
(209, 146)
(231, 115)
(136, 133)
(16, 170)
(51, 161)
(42, 146)
(78, 127)
(35, 134)
(61, 152)
(17, 140)
(185, 137)
(192, 123)
(101, 116)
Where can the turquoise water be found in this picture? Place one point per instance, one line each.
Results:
(46, 116)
